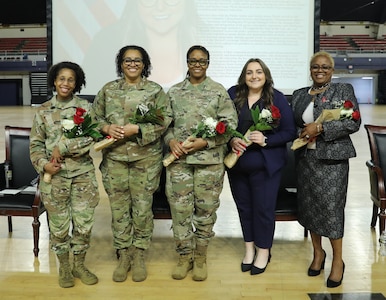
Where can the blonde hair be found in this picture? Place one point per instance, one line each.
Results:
(323, 54)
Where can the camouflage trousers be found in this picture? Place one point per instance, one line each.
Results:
(193, 193)
(70, 201)
(130, 187)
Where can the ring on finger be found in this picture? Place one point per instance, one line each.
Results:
(307, 136)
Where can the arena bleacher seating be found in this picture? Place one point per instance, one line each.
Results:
(20, 48)
(352, 43)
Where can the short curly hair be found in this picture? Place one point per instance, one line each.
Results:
(322, 54)
(53, 72)
(145, 59)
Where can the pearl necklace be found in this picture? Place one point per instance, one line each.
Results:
(314, 88)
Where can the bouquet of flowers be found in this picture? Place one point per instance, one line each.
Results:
(267, 119)
(143, 114)
(346, 111)
(148, 114)
(79, 126)
(209, 127)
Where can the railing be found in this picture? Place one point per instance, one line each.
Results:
(364, 50)
(17, 55)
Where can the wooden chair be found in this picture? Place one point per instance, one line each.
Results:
(377, 172)
(18, 173)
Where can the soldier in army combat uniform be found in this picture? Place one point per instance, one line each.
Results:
(194, 181)
(131, 166)
(72, 194)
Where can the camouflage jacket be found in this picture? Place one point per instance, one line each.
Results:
(116, 103)
(47, 132)
(191, 105)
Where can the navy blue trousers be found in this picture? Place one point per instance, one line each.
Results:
(255, 194)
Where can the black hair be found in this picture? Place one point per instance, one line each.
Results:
(80, 78)
(197, 47)
(145, 60)
(191, 49)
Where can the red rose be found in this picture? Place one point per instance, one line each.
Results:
(348, 104)
(356, 115)
(275, 112)
(80, 111)
(78, 119)
(220, 128)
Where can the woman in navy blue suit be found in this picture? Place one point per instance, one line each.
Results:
(255, 178)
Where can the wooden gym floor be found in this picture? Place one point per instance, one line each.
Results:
(22, 276)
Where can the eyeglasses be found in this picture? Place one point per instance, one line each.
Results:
(149, 3)
(324, 68)
(68, 80)
(203, 62)
(136, 61)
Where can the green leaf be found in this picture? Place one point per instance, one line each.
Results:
(69, 134)
(255, 115)
(235, 133)
(262, 127)
(95, 135)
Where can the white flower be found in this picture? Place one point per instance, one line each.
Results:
(346, 112)
(265, 113)
(210, 122)
(68, 124)
(143, 109)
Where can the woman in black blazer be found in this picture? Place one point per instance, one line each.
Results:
(322, 164)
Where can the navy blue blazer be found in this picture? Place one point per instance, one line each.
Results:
(275, 152)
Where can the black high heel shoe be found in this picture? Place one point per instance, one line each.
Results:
(248, 267)
(255, 270)
(312, 272)
(332, 283)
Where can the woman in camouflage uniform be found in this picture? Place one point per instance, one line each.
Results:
(195, 180)
(131, 167)
(72, 194)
